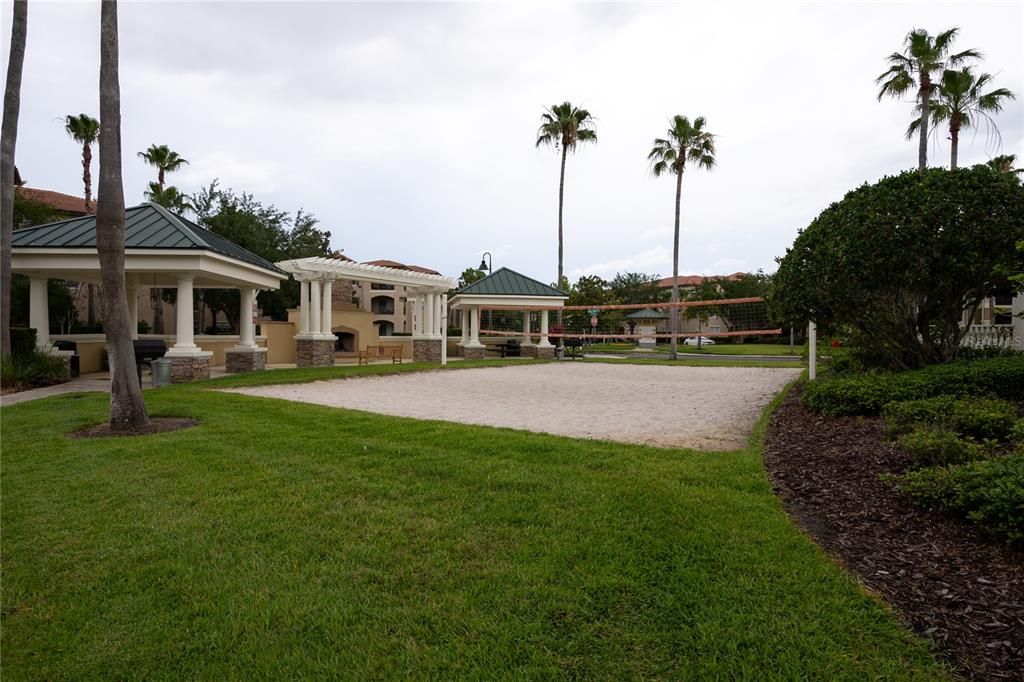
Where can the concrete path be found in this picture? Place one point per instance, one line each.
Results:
(87, 383)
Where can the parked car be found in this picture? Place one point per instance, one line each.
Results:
(704, 341)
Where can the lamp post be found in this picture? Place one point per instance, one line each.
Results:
(487, 263)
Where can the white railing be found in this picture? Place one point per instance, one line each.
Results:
(990, 336)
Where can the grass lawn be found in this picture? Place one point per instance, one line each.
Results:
(279, 539)
(717, 349)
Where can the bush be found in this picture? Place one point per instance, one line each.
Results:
(989, 493)
(938, 447)
(1017, 432)
(867, 394)
(981, 418)
(33, 369)
(23, 341)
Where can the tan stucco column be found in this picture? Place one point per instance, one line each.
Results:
(247, 331)
(184, 339)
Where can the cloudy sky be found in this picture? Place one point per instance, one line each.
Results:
(409, 129)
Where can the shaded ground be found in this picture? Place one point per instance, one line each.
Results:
(944, 577)
(708, 408)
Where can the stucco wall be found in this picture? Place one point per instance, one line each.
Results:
(91, 347)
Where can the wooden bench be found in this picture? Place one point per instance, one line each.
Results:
(393, 353)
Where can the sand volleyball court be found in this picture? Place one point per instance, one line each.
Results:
(706, 408)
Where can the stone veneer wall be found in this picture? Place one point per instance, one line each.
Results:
(189, 369)
(543, 352)
(314, 352)
(426, 350)
(470, 353)
(245, 360)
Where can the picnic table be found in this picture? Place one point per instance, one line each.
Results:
(510, 349)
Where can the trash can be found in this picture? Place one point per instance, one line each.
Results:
(75, 360)
(160, 369)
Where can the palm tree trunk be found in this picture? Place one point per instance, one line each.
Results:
(954, 140)
(127, 407)
(674, 315)
(160, 178)
(561, 203)
(86, 175)
(8, 142)
(925, 95)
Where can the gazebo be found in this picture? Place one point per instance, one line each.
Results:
(314, 342)
(646, 322)
(162, 250)
(507, 290)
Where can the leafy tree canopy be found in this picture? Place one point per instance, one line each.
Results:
(897, 264)
(470, 276)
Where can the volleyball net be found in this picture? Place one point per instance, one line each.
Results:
(715, 319)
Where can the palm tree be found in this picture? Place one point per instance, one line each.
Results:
(8, 142)
(923, 56)
(163, 159)
(127, 406)
(960, 102)
(1004, 163)
(169, 197)
(84, 130)
(685, 143)
(563, 126)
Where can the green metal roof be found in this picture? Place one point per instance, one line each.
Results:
(505, 282)
(646, 314)
(147, 226)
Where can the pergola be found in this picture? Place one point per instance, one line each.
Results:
(315, 340)
(507, 290)
(162, 250)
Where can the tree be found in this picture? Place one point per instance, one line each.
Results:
(84, 130)
(563, 127)
(169, 197)
(922, 58)
(127, 407)
(960, 102)
(899, 265)
(8, 142)
(635, 287)
(1004, 163)
(469, 276)
(163, 159)
(685, 143)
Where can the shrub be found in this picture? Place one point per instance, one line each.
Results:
(1017, 432)
(981, 418)
(23, 341)
(989, 493)
(867, 394)
(931, 447)
(33, 369)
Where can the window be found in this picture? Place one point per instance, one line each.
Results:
(382, 287)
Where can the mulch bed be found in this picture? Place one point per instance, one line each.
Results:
(156, 425)
(946, 579)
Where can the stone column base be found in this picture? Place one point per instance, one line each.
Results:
(474, 352)
(245, 359)
(426, 350)
(314, 352)
(190, 368)
(544, 352)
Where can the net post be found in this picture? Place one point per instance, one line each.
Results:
(444, 330)
(812, 356)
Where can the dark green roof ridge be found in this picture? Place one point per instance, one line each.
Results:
(147, 226)
(506, 282)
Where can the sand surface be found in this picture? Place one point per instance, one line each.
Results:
(706, 408)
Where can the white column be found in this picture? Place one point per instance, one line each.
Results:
(247, 337)
(544, 329)
(439, 316)
(39, 311)
(474, 325)
(464, 323)
(184, 339)
(132, 292)
(314, 308)
(325, 315)
(303, 307)
(429, 330)
(443, 304)
(527, 339)
(413, 312)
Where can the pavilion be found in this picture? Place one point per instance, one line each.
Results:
(314, 342)
(507, 290)
(162, 250)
